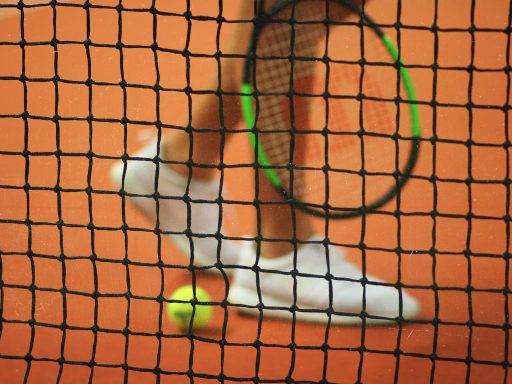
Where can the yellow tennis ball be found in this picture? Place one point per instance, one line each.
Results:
(183, 305)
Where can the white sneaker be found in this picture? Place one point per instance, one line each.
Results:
(383, 303)
(140, 186)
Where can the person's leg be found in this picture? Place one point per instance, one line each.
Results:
(311, 278)
(211, 111)
(163, 190)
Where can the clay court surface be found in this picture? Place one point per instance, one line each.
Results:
(108, 326)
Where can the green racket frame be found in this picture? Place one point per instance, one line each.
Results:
(247, 94)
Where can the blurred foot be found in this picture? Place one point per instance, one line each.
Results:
(381, 302)
(169, 212)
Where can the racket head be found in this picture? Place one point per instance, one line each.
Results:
(332, 110)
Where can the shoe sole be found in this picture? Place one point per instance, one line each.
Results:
(275, 309)
(181, 241)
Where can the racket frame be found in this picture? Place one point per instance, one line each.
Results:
(249, 115)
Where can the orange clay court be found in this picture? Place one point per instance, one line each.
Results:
(79, 291)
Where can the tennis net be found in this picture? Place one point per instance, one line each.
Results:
(85, 277)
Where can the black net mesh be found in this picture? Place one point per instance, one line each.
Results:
(87, 266)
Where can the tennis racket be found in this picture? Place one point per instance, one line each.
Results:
(330, 108)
